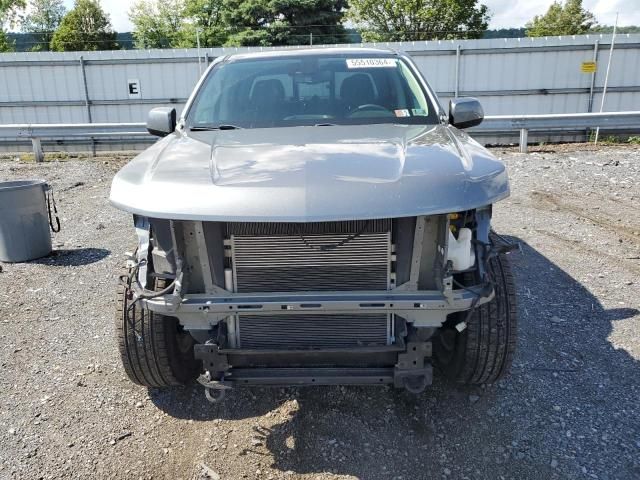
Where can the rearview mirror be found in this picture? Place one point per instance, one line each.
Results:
(161, 121)
(465, 112)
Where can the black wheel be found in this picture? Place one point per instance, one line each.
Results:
(154, 349)
(484, 351)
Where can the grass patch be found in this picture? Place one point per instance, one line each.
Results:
(613, 139)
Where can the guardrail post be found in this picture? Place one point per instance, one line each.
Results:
(37, 150)
(524, 140)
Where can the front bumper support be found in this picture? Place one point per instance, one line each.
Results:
(420, 308)
(412, 369)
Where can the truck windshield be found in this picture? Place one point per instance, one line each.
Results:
(310, 90)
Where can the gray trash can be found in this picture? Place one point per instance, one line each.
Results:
(25, 219)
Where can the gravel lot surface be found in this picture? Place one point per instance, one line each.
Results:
(570, 408)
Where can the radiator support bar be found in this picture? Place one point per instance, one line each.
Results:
(422, 308)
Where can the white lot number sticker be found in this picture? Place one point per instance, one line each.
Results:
(371, 63)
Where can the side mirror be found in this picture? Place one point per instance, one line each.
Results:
(161, 121)
(465, 112)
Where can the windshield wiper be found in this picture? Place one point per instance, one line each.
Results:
(215, 127)
(325, 125)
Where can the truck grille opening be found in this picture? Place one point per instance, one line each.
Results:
(323, 256)
(308, 332)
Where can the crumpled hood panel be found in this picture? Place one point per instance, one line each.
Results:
(310, 174)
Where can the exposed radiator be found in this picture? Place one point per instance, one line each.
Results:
(290, 332)
(323, 256)
(286, 257)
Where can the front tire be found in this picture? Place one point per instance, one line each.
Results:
(483, 352)
(154, 350)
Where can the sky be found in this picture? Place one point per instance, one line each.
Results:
(504, 13)
(515, 13)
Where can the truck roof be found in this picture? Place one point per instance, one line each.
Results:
(320, 51)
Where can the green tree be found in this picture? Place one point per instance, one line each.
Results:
(249, 22)
(5, 45)
(178, 23)
(9, 10)
(175, 23)
(157, 23)
(406, 20)
(208, 18)
(567, 19)
(85, 27)
(285, 22)
(42, 19)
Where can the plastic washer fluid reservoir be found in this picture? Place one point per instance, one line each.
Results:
(461, 253)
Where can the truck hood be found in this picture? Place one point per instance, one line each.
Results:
(303, 174)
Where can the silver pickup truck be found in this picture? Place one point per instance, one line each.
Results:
(314, 217)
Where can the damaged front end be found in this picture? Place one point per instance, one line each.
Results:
(347, 302)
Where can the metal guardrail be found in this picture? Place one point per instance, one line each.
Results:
(545, 123)
(36, 132)
(491, 124)
(85, 130)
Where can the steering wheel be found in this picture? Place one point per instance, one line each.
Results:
(369, 107)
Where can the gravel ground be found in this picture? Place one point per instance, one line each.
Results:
(569, 409)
